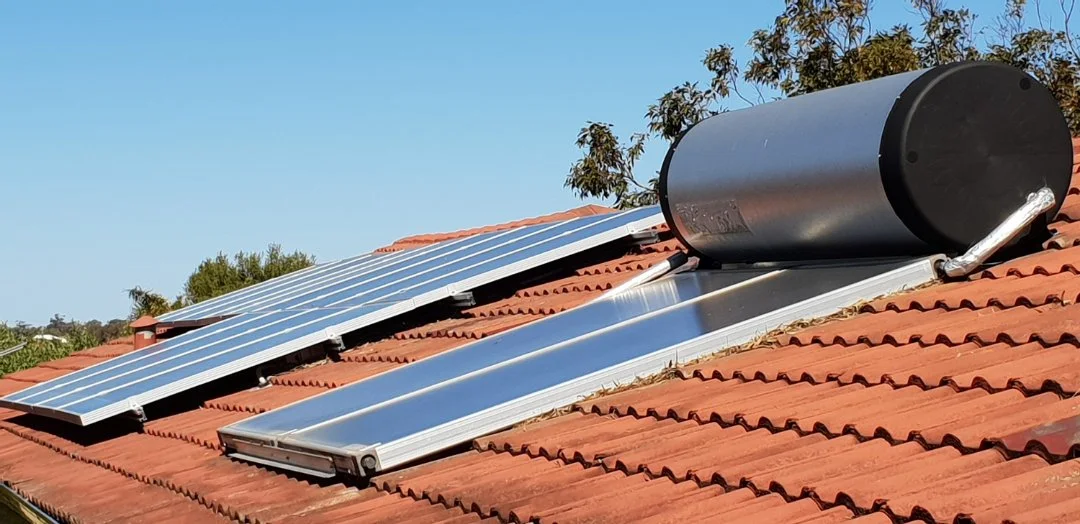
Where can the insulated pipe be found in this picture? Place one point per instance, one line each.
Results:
(1038, 203)
(923, 162)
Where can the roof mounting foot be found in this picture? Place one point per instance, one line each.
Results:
(262, 376)
(644, 238)
(334, 344)
(463, 299)
(138, 413)
(1037, 203)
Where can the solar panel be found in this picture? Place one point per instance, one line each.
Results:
(310, 307)
(225, 304)
(409, 412)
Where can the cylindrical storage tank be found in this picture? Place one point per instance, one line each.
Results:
(916, 163)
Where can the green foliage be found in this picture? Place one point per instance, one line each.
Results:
(146, 302)
(214, 276)
(819, 44)
(95, 330)
(608, 171)
(220, 274)
(78, 335)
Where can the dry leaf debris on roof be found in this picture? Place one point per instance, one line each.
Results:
(956, 402)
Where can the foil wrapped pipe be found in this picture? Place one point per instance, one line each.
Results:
(1038, 203)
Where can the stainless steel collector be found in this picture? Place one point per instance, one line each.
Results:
(399, 416)
(923, 162)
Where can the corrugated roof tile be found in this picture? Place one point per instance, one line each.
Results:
(520, 489)
(198, 426)
(1066, 234)
(332, 374)
(887, 412)
(423, 240)
(1031, 367)
(1006, 292)
(1047, 262)
(1048, 324)
(261, 400)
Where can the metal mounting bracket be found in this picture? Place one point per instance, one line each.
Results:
(138, 413)
(334, 344)
(644, 238)
(463, 299)
(262, 376)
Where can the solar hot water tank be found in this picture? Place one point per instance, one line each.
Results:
(923, 162)
(834, 197)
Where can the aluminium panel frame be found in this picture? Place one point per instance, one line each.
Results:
(366, 459)
(134, 403)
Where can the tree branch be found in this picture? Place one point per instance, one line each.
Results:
(1067, 13)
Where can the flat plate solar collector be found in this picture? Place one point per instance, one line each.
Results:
(406, 413)
(313, 306)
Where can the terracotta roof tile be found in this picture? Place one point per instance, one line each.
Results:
(73, 362)
(579, 284)
(468, 328)
(261, 400)
(630, 263)
(197, 426)
(79, 491)
(843, 470)
(1031, 367)
(180, 453)
(374, 506)
(9, 386)
(520, 488)
(1004, 292)
(143, 321)
(1048, 262)
(332, 375)
(950, 402)
(1066, 234)
(946, 402)
(937, 416)
(37, 374)
(1048, 324)
(1070, 210)
(402, 351)
(537, 304)
(423, 240)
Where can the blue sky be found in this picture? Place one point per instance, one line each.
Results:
(138, 138)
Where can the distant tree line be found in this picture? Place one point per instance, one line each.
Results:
(818, 44)
(214, 276)
(218, 275)
(61, 338)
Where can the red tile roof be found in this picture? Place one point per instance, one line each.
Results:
(423, 240)
(957, 401)
(143, 321)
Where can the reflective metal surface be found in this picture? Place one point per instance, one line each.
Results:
(367, 279)
(438, 402)
(265, 288)
(492, 350)
(1038, 203)
(752, 186)
(292, 314)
